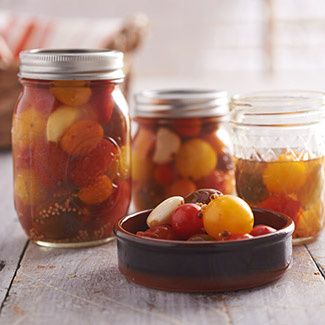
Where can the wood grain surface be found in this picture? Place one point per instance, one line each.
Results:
(12, 238)
(55, 286)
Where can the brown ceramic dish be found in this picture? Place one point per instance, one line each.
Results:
(204, 266)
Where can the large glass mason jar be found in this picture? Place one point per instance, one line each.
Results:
(182, 143)
(71, 146)
(279, 150)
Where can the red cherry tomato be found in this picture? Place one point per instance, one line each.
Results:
(164, 174)
(158, 232)
(239, 236)
(186, 221)
(219, 180)
(283, 204)
(38, 97)
(260, 230)
(103, 101)
(187, 127)
(113, 209)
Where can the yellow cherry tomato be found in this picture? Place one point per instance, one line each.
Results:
(28, 127)
(310, 221)
(27, 187)
(227, 213)
(284, 176)
(196, 159)
(71, 94)
(142, 165)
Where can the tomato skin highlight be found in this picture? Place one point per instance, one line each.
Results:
(186, 221)
(261, 230)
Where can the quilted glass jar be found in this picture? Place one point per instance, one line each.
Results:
(71, 146)
(279, 143)
(182, 143)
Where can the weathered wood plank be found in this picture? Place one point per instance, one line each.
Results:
(298, 298)
(12, 239)
(317, 250)
(85, 287)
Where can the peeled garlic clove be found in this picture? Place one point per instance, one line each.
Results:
(59, 121)
(161, 214)
(167, 145)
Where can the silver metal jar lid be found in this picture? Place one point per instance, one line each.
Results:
(180, 103)
(71, 64)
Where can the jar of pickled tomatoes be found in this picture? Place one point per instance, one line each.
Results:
(279, 143)
(71, 146)
(182, 143)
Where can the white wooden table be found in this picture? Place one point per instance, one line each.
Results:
(84, 286)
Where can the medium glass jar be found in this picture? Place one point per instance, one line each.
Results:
(71, 146)
(181, 144)
(279, 149)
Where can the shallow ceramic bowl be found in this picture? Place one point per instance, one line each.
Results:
(204, 266)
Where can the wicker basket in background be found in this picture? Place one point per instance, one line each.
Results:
(127, 39)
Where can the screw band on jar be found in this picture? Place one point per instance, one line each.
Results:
(71, 64)
(181, 103)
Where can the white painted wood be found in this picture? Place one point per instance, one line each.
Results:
(12, 238)
(317, 250)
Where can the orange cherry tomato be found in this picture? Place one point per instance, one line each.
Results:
(182, 187)
(97, 192)
(82, 137)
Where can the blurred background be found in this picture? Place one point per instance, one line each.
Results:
(239, 45)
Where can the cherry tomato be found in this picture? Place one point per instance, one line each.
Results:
(283, 204)
(164, 174)
(195, 159)
(28, 127)
(239, 236)
(186, 220)
(113, 209)
(285, 176)
(103, 101)
(182, 187)
(188, 127)
(218, 179)
(260, 230)
(39, 97)
(227, 213)
(158, 232)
